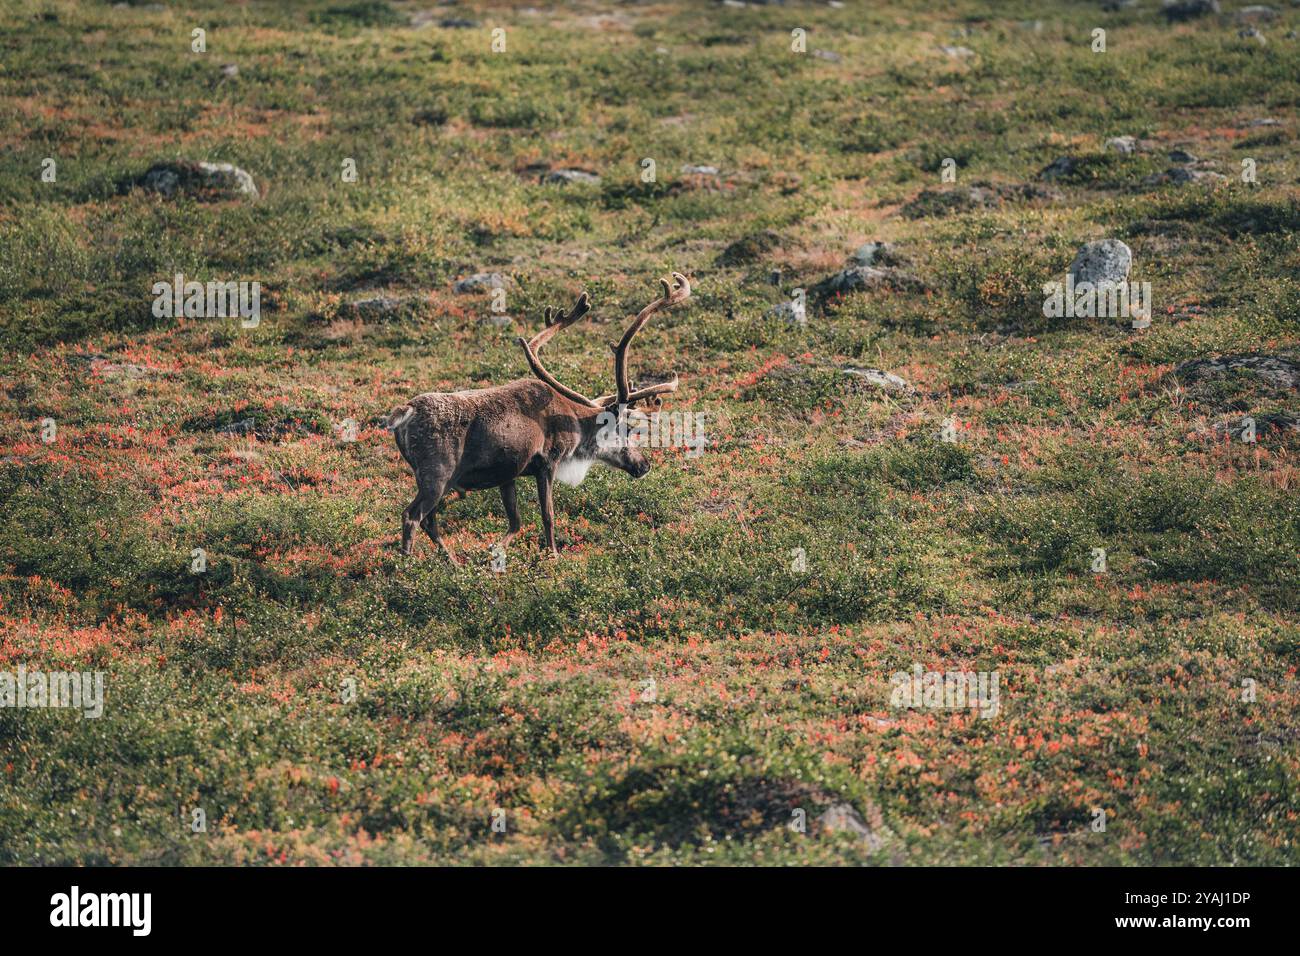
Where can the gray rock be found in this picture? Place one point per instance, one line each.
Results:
(203, 180)
(876, 254)
(860, 278)
(885, 381)
(689, 169)
(1265, 423)
(1183, 175)
(788, 312)
(1178, 10)
(565, 176)
(1102, 263)
(1266, 121)
(498, 321)
(957, 52)
(230, 70)
(1251, 33)
(1278, 371)
(241, 427)
(480, 281)
(1129, 145)
(830, 56)
(1256, 13)
(377, 308)
(843, 818)
(1181, 156)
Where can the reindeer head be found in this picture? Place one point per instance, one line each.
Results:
(615, 439)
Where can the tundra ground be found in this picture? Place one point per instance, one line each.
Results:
(674, 688)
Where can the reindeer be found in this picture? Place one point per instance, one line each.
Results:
(482, 438)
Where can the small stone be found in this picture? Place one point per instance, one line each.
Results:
(1182, 176)
(230, 70)
(1278, 371)
(1251, 33)
(498, 321)
(204, 180)
(1256, 13)
(788, 312)
(1265, 424)
(957, 52)
(1181, 156)
(885, 381)
(241, 427)
(844, 818)
(858, 278)
(565, 176)
(1122, 144)
(1102, 263)
(480, 281)
(830, 56)
(691, 170)
(377, 307)
(876, 254)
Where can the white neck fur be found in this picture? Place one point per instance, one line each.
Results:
(572, 470)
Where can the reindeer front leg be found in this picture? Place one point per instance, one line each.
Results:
(509, 499)
(548, 509)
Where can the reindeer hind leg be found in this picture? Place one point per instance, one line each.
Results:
(410, 520)
(431, 492)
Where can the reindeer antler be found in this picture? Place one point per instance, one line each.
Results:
(675, 290)
(555, 322)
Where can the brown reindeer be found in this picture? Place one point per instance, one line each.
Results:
(490, 437)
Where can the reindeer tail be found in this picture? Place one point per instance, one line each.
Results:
(398, 417)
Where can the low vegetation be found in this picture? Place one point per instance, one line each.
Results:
(713, 650)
